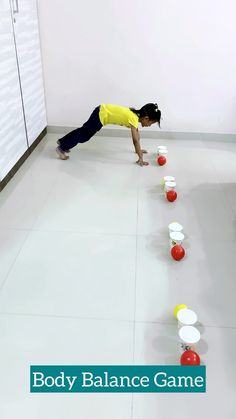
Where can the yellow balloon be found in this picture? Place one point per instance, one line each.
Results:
(177, 308)
(162, 182)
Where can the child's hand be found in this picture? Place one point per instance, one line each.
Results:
(140, 162)
(144, 151)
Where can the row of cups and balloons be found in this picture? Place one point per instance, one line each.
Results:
(188, 334)
(175, 229)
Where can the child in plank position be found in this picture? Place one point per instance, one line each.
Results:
(116, 115)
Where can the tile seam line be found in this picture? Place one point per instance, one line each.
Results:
(24, 241)
(44, 204)
(58, 316)
(195, 238)
(54, 316)
(135, 286)
(14, 261)
(42, 230)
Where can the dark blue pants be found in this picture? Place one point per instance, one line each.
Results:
(83, 134)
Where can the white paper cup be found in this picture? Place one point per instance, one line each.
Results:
(189, 337)
(186, 317)
(161, 147)
(175, 227)
(167, 179)
(176, 238)
(169, 186)
(163, 152)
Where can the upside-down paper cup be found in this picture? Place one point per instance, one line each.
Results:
(189, 337)
(169, 186)
(175, 227)
(167, 179)
(186, 317)
(176, 238)
(162, 152)
(161, 147)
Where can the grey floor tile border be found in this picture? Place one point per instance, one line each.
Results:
(124, 133)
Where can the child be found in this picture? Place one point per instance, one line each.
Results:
(116, 115)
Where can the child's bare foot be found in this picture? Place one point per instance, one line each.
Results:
(62, 155)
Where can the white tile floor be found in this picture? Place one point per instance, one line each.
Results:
(86, 277)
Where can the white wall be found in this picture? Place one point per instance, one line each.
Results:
(180, 54)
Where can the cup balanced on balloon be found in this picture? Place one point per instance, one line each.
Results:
(169, 186)
(176, 237)
(189, 335)
(168, 182)
(162, 155)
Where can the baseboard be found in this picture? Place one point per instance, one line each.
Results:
(16, 167)
(168, 135)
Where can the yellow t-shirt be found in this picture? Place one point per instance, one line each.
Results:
(117, 115)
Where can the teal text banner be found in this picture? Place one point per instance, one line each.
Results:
(117, 379)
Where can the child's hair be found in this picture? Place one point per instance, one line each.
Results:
(151, 110)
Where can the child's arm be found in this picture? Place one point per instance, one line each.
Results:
(136, 142)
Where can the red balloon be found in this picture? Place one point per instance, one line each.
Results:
(177, 252)
(171, 196)
(190, 358)
(161, 160)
